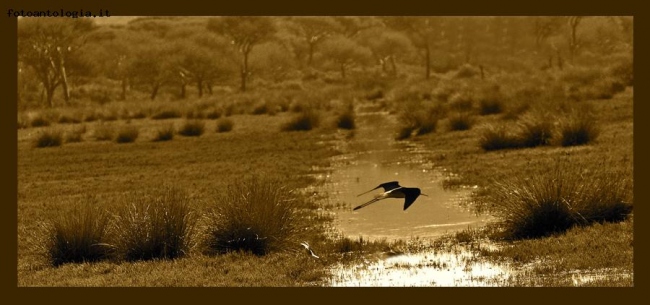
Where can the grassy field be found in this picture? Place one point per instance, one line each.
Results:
(123, 155)
(108, 173)
(603, 248)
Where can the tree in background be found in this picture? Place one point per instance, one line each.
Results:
(345, 52)
(312, 31)
(425, 33)
(574, 41)
(50, 47)
(245, 33)
(387, 45)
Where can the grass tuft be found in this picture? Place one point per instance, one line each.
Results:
(345, 120)
(127, 134)
(535, 131)
(154, 226)
(165, 133)
(78, 236)
(192, 128)
(498, 137)
(460, 121)
(578, 129)
(49, 138)
(224, 125)
(304, 121)
(257, 215)
(552, 200)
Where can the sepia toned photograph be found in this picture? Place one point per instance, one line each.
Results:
(324, 151)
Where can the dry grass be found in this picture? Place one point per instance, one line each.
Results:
(78, 235)
(157, 225)
(257, 215)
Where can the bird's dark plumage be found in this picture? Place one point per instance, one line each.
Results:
(394, 190)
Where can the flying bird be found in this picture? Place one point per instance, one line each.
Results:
(394, 190)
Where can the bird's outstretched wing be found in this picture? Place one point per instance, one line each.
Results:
(410, 194)
(367, 203)
(387, 187)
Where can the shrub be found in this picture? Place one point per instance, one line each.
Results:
(156, 225)
(549, 200)
(192, 128)
(49, 138)
(578, 129)
(304, 121)
(460, 121)
(78, 235)
(165, 133)
(224, 125)
(127, 134)
(257, 215)
(498, 137)
(426, 127)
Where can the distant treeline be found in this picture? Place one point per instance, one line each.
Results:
(62, 60)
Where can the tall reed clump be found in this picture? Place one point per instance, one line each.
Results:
(552, 199)
(155, 225)
(257, 215)
(49, 138)
(78, 235)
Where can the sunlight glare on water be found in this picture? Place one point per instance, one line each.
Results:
(376, 158)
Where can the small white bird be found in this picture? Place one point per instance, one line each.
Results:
(394, 190)
(309, 250)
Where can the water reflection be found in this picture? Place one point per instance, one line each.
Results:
(424, 269)
(374, 157)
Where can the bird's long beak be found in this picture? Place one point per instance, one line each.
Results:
(424, 194)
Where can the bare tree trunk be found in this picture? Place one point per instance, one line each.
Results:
(64, 77)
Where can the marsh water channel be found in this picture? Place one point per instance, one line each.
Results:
(371, 157)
